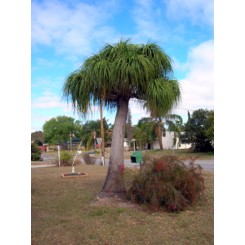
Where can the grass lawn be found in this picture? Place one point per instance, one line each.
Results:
(63, 213)
(184, 153)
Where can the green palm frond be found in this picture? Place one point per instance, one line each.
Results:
(124, 70)
(162, 95)
(158, 57)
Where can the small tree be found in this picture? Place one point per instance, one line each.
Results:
(147, 131)
(196, 130)
(209, 132)
(89, 129)
(58, 129)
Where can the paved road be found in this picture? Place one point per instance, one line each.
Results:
(207, 165)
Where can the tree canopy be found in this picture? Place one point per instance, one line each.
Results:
(145, 132)
(57, 130)
(124, 70)
(199, 130)
(87, 132)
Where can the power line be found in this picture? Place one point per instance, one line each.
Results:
(187, 109)
(184, 109)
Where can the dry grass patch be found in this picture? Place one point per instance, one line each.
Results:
(182, 154)
(63, 213)
(115, 202)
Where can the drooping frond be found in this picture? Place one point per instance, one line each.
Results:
(162, 95)
(174, 117)
(78, 91)
(133, 71)
(124, 70)
(159, 58)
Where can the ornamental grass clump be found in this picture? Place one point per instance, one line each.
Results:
(168, 183)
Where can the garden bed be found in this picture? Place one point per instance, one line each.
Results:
(72, 175)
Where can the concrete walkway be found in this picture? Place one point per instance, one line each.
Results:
(43, 166)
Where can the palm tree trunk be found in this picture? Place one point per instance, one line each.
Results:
(114, 183)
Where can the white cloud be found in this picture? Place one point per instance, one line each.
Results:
(48, 100)
(197, 86)
(73, 30)
(38, 121)
(137, 111)
(153, 18)
(47, 106)
(197, 11)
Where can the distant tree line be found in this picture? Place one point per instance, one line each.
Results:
(198, 130)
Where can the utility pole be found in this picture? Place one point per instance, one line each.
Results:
(58, 147)
(102, 135)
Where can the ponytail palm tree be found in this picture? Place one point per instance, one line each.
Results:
(115, 75)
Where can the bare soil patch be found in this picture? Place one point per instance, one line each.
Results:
(115, 202)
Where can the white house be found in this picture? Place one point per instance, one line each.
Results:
(168, 142)
(126, 144)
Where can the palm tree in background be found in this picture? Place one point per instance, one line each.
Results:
(115, 75)
(161, 115)
(175, 124)
(172, 121)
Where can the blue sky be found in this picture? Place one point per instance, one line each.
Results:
(65, 33)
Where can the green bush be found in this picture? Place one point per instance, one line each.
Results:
(35, 153)
(65, 158)
(167, 183)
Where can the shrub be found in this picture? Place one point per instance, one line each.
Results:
(167, 182)
(65, 158)
(88, 159)
(35, 153)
